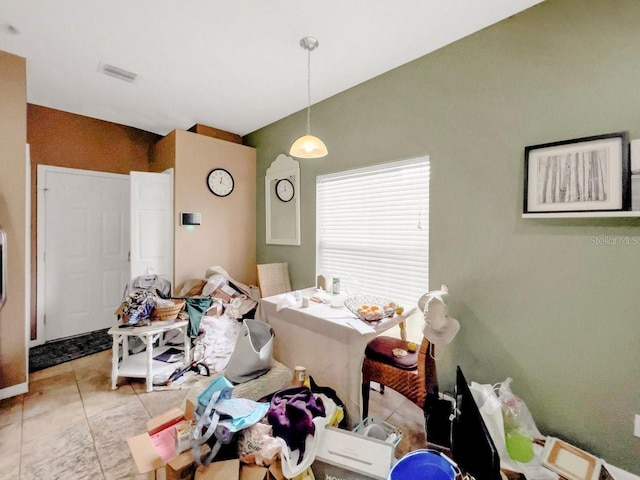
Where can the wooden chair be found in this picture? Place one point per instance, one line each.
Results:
(273, 278)
(413, 376)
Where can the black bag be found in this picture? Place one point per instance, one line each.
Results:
(438, 422)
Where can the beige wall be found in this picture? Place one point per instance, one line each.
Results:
(13, 218)
(227, 234)
(538, 300)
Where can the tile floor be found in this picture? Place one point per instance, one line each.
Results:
(71, 425)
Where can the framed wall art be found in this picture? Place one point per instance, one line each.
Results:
(587, 174)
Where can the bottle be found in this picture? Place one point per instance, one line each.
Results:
(299, 375)
(336, 286)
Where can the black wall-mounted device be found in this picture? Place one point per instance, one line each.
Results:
(190, 218)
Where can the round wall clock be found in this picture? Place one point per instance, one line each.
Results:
(220, 182)
(285, 190)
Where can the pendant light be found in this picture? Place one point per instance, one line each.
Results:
(308, 146)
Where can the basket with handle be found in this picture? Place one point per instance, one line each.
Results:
(169, 312)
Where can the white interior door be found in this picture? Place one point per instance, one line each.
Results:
(152, 224)
(85, 241)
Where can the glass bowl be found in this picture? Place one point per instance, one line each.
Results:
(370, 308)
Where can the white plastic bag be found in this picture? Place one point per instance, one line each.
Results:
(491, 411)
(515, 412)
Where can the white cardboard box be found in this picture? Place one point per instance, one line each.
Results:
(344, 455)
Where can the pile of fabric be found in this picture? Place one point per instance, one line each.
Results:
(289, 427)
(140, 296)
(216, 307)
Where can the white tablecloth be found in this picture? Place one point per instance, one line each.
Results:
(322, 339)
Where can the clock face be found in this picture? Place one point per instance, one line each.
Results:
(220, 182)
(284, 190)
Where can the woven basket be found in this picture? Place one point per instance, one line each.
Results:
(167, 313)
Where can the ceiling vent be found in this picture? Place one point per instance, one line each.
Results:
(117, 72)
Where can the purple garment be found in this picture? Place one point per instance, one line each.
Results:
(291, 415)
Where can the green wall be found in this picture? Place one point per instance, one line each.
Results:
(538, 300)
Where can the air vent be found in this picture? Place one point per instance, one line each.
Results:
(117, 72)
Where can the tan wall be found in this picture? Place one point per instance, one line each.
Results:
(227, 236)
(13, 214)
(68, 140)
(163, 154)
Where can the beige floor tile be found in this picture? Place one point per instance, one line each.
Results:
(68, 454)
(409, 418)
(50, 422)
(11, 410)
(50, 372)
(96, 365)
(383, 405)
(158, 402)
(97, 397)
(119, 422)
(71, 425)
(63, 378)
(116, 460)
(10, 443)
(51, 393)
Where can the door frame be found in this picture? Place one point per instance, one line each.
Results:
(40, 243)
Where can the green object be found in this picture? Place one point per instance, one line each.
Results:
(520, 447)
(196, 308)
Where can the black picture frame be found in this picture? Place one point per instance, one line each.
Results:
(589, 174)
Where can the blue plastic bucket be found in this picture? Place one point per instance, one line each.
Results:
(423, 465)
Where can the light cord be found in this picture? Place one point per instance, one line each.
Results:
(308, 91)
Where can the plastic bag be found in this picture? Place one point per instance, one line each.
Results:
(519, 427)
(515, 412)
(491, 411)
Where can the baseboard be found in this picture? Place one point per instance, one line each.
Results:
(14, 390)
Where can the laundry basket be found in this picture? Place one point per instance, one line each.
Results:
(166, 313)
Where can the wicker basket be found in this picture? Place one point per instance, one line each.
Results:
(167, 313)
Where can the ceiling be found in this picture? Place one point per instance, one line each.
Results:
(235, 65)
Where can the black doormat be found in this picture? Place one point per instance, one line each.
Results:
(67, 349)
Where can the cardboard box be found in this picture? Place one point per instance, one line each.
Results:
(253, 472)
(226, 293)
(223, 470)
(153, 449)
(344, 455)
(181, 468)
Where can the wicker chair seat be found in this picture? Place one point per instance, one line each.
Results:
(413, 384)
(381, 349)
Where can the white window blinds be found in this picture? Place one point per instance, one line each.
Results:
(372, 229)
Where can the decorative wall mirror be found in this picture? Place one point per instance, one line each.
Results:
(282, 201)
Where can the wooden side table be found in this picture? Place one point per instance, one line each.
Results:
(142, 365)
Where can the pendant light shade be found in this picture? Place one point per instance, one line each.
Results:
(308, 146)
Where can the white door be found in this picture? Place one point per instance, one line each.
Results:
(152, 224)
(85, 237)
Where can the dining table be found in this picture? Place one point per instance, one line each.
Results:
(325, 338)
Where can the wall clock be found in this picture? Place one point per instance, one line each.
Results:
(284, 190)
(220, 182)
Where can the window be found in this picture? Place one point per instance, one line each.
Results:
(373, 229)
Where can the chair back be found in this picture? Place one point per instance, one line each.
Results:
(273, 278)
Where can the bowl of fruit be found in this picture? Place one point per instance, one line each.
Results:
(370, 308)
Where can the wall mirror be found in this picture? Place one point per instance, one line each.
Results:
(282, 201)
